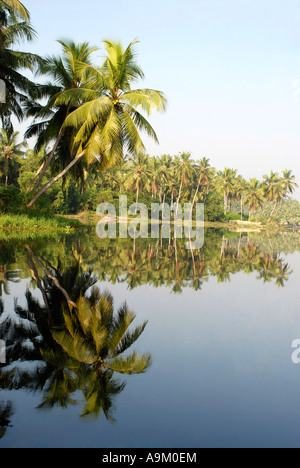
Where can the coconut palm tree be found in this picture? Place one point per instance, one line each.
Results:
(18, 87)
(288, 182)
(273, 190)
(108, 121)
(93, 335)
(184, 172)
(138, 174)
(254, 195)
(240, 190)
(225, 180)
(49, 118)
(204, 175)
(10, 155)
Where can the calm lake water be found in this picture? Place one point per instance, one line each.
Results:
(221, 322)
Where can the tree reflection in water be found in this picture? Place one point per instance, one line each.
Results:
(69, 345)
(74, 342)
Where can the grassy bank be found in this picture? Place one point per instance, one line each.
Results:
(37, 223)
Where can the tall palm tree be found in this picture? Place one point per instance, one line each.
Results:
(225, 181)
(204, 174)
(288, 182)
(108, 121)
(48, 121)
(138, 174)
(274, 190)
(254, 195)
(10, 155)
(184, 172)
(18, 87)
(240, 191)
(93, 335)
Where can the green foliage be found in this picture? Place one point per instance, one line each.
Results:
(235, 217)
(213, 208)
(10, 199)
(287, 212)
(36, 223)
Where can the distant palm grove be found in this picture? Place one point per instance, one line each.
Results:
(86, 122)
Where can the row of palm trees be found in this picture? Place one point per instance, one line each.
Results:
(175, 179)
(180, 179)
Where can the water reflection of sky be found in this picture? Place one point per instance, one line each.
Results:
(222, 373)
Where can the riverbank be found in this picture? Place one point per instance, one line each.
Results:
(91, 219)
(37, 223)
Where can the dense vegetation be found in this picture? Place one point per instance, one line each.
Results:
(86, 122)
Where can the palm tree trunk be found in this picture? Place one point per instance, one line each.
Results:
(242, 207)
(225, 202)
(273, 211)
(194, 199)
(59, 176)
(42, 170)
(179, 195)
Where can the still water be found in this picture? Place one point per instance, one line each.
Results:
(220, 325)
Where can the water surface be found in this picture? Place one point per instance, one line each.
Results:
(221, 321)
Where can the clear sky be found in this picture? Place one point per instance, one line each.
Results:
(230, 70)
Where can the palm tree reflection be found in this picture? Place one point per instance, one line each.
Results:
(73, 344)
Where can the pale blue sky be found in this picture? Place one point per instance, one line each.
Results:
(229, 68)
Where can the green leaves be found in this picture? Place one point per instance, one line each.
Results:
(92, 335)
(133, 364)
(16, 8)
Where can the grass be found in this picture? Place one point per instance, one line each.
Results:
(36, 223)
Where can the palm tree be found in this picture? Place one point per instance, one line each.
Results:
(49, 118)
(254, 195)
(288, 182)
(16, 7)
(274, 190)
(93, 335)
(184, 172)
(18, 87)
(10, 155)
(240, 190)
(108, 121)
(138, 174)
(157, 176)
(225, 181)
(204, 174)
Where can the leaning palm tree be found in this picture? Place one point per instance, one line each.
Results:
(49, 118)
(94, 335)
(109, 120)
